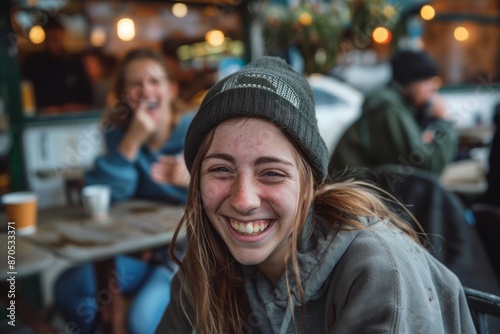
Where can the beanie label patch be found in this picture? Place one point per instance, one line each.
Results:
(263, 81)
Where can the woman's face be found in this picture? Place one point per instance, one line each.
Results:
(250, 190)
(146, 82)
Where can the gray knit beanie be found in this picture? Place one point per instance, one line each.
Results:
(265, 88)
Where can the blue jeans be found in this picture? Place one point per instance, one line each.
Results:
(76, 294)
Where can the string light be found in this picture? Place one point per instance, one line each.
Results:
(215, 37)
(427, 12)
(461, 34)
(179, 9)
(305, 19)
(36, 34)
(126, 29)
(381, 35)
(98, 37)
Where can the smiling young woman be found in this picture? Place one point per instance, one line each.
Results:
(273, 247)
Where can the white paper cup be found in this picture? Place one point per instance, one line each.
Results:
(21, 209)
(96, 200)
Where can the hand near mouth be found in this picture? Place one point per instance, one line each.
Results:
(170, 170)
(142, 125)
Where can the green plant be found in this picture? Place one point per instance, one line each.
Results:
(314, 29)
(370, 14)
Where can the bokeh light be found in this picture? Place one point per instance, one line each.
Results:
(179, 9)
(305, 19)
(381, 35)
(126, 29)
(98, 37)
(461, 34)
(215, 37)
(427, 12)
(36, 34)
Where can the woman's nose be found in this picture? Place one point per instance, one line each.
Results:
(147, 89)
(244, 195)
(142, 91)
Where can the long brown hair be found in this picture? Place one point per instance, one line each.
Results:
(119, 112)
(214, 277)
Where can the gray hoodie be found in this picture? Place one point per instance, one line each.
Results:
(374, 280)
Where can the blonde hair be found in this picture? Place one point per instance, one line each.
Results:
(213, 277)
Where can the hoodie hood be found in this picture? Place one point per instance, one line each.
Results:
(317, 258)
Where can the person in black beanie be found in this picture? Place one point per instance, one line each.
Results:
(274, 247)
(404, 123)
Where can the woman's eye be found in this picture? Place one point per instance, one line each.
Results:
(155, 80)
(274, 175)
(220, 170)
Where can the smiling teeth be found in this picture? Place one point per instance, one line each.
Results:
(250, 228)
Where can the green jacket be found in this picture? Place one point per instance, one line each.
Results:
(388, 133)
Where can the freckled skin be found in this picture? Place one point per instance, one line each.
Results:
(257, 182)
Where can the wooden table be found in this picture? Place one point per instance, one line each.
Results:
(28, 260)
(133, 226)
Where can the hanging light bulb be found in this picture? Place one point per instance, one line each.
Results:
(126, 29)
(305, 19)
(461, 34)
(36, 34)
(427, 12)
(215, 37)
(381, 35)
(98, 37)
(179, 9)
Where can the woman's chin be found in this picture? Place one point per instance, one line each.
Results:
(248, 259)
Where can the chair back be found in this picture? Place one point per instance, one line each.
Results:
(480, 305)
(488, 226)
(443, 217)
